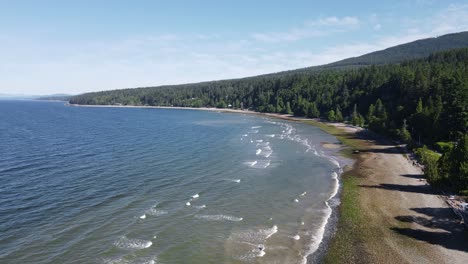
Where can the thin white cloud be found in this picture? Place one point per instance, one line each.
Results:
(336, 21)
(310, 29)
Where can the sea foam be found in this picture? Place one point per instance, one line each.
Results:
(219, 218)
(131, 243)
(155, 212)
(249, 244)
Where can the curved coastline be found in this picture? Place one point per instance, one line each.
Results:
(365, 227)
(318, 247)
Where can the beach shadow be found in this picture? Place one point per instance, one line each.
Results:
(388, 150)
(426, 189)
(445, 228)
(413, 176)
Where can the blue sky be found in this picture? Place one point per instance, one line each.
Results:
(79, 46)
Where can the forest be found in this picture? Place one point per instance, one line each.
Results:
(422, 102)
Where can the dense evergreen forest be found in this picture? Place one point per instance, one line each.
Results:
(422, 102)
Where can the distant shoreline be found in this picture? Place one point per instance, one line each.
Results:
(213, 109)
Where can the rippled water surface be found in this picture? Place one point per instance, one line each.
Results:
(127, 185)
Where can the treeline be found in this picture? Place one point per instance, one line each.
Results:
(420, 101)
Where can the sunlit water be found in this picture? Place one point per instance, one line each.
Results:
(122, 185)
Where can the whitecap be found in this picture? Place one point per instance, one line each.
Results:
(195, 196)
(233, 180)
(258, 152)
(335, 162)
(200, 206)
(188, 203)
(156, 212)
(296, 200)
(256, 127)
(259, 140)
(271, 135)
(143, 216)
(296, 237)
(219, 218)
(249, 244)
(251, 163)
(130, 243)
(304, 193)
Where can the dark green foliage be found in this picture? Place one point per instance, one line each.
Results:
(430, 161)
(453, 166)
(404, 133)
(443, 147)
(338, 115)
(331, 116)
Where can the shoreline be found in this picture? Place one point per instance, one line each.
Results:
(212, 109)
(387, 213)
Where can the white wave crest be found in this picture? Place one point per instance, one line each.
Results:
(155, 212)
(318, 237)
(195, 196)
(233, 180)
(250, 244)
(131, 243)
(258, 151)
(122, 260)
(219, 218)
(251, 163)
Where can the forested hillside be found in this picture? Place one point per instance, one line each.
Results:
(413, 50)
(423, 101)
(427, 97)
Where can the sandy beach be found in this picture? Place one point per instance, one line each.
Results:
(405, 220)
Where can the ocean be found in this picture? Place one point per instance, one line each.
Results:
(133, 185)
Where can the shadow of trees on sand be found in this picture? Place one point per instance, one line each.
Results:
(426, 189)
(441, 228)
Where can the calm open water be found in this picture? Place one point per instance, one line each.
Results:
(128, 185)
